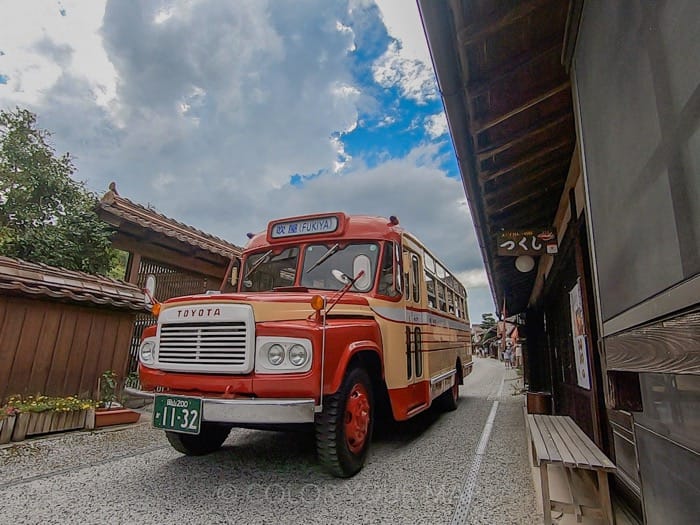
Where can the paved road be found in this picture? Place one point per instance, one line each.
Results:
(468, 466)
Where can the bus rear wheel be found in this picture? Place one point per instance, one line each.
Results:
(344, 428)
(448, 400)
(209, 439)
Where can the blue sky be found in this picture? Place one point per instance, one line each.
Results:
(225, 115)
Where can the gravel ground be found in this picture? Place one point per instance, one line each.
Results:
(415, 473)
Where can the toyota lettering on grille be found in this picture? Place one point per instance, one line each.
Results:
(185, 313)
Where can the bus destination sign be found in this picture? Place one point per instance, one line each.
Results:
(311, 226)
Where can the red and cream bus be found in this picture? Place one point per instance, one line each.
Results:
(335, 319)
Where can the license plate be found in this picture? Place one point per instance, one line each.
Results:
(177, 413)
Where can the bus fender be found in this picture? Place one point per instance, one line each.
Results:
(351, 351)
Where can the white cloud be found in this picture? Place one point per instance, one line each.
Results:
(402, 21)
(406, 63)
(473, 278)
(436, 125)
(41, 45)
(414, 78)
(207, 109)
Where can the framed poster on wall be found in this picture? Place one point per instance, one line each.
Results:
(578, 333)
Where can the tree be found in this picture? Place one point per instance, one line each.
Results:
(488, 325)
(45, 215)
(487, 321)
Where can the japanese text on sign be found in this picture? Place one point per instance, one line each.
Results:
(305, 227)
(527, 242)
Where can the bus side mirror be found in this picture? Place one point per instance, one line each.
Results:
(150, 290)
(234, 276)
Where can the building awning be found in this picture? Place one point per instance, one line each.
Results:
(507, 96)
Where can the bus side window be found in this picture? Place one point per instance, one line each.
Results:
(398, 269)
(430, 283)
(441, 296)
(415, 268)
(387, 284)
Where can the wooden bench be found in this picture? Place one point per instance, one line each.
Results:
(558, 440)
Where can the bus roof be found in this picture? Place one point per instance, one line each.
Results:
(304, 228)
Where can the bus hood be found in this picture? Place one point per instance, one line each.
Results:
(269, 306)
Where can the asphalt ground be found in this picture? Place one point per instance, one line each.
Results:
(468, 466)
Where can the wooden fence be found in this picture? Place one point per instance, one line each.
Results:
(59, 349)
(60, 330)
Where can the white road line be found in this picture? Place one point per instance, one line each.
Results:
(465, 497)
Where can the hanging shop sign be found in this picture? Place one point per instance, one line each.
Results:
(527, 242)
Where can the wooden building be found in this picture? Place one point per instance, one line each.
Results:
(582, 118)
(60, 330)
(181, 259)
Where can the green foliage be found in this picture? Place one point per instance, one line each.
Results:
(117, 266)
(487, 321)
(45, 215)
(18, 404)
(108, 388)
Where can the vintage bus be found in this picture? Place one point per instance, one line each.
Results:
(335, 320)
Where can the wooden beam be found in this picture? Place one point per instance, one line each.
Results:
(132, 270)
(481, 126)
(511, 68)
(531, 217)
(485, 27)
(529, 135)
(169, 257)
(141, 235)
(530, 159)
(515, 184)
(542, 189)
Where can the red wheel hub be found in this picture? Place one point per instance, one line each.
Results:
(357, 418)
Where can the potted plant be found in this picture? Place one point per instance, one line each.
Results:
(109, 411)
(33, 415)
(8, 415)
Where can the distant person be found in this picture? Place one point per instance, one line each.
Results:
(508, 356)
(518, 355)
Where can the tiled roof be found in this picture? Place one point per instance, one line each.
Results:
(112, 203)
(40, 280)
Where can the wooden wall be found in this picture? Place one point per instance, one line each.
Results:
(60, 349)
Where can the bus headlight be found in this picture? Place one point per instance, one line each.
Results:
(282, 355)
(275, 354)
(147, 351)
(298, 355)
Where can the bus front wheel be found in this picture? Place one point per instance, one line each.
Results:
(344, 427)
(209, 439)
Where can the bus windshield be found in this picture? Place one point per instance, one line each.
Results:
(321, 259)
(270, 269)
(277, 268)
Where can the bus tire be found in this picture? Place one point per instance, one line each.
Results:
(344, 427)
(209, 439)
(447, 402)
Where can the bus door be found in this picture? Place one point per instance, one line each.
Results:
(415, 321)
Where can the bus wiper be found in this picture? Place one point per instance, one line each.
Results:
(325, 256)
(257, 263)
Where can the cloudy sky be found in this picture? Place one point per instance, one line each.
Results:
(225, 115)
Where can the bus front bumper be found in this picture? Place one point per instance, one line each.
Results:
(249, 410)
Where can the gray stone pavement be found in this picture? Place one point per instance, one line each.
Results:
(421, 471)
